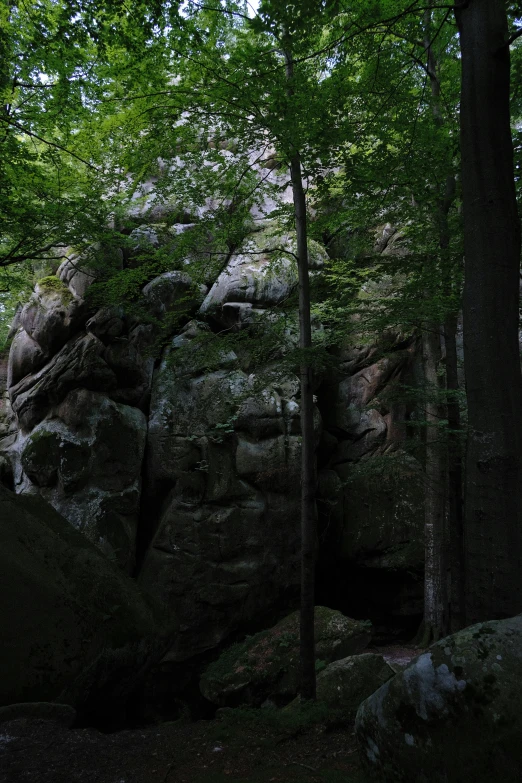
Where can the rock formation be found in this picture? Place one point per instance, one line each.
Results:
(182, 465)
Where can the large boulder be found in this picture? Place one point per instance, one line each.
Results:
(453, 714)
(262, 274)
(172, 294)
(25, 357)
(344, 684)
(74, 629)
(266, 666)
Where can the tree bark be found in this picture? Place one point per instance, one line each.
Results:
(308, 479)
(493, 496)
(434, 506)
(455, 501)
(440, 520)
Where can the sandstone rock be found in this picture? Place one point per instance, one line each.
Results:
(266, 666)
(453, 714)
(222, 478)
(25, 357)
(172, 294)
(52, 315)
(74, 630)
(344, 684)
(263, 274)
(107, 324)
(7, 418)
(80, 270)
(86, 461)
(133, 372)
(80, 363)
(382, 514)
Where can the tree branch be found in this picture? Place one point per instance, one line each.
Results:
(54, 144)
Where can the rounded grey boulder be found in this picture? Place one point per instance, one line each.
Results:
(453, 714)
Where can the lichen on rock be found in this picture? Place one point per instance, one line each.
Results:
(453, 714)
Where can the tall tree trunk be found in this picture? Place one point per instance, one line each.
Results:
(434, 507)
(493, 497)
(455, 501)
(308, 480)
(454, 538)
(439, 520)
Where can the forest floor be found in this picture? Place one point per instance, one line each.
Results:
(37, 751)
(239, 746)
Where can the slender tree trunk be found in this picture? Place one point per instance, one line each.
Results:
(454, 538)
(434, 506)
(436, 523)
(455, 532)
(308, 479)
(493, 497)
(455, 501)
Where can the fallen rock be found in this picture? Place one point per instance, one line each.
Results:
(344, 684)
(266, 666)
(453, 714)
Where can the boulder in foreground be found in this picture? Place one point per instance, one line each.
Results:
(453, 714)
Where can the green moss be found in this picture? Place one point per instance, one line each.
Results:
(53, 284)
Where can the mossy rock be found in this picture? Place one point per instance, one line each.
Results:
(266, 666)
(74, 629)
(453, 714)
(53, 285)
(344, 684)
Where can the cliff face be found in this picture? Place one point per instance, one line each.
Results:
(184, 469)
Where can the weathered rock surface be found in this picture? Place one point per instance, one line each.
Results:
(453, 714)
(79, 364)
(223, 461)
(262, 275)
(74, 629)
(86, 461)
(25, 357)
(80, 270)
(52, 314)
(266, 666)
(371, 491)
(172, 294)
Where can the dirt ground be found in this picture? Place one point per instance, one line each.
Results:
(235, 747)
(37, 751)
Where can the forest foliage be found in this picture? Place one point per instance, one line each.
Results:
(110, 112)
